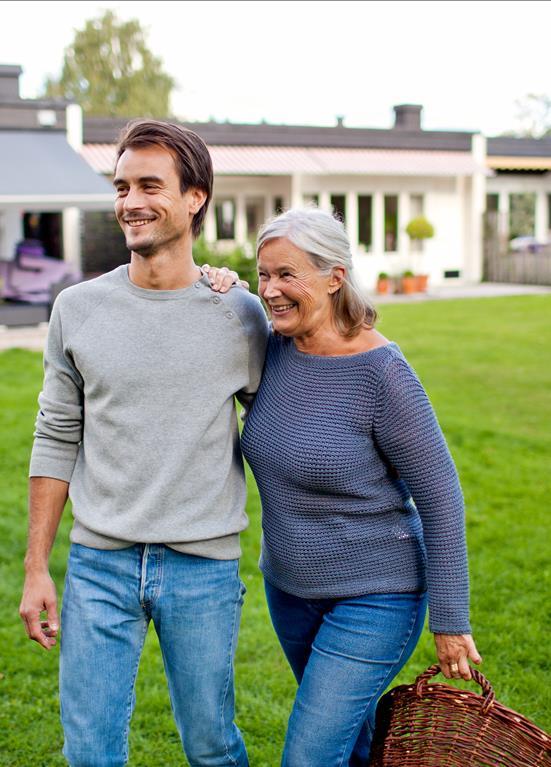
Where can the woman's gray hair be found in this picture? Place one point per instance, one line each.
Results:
(323, 238)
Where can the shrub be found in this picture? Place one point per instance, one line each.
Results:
(240, 259)
(420, 229)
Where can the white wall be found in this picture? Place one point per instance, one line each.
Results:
(442, 206)
(11, 231)
(447, 205)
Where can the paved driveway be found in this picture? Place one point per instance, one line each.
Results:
(477, 290)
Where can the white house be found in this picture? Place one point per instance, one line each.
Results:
(377, 180)
(58, 168)
(44, 182)
(521, 177)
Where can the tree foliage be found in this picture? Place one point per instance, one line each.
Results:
(533, 115)
(109, 70)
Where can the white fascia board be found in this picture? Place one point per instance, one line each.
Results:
(58, 202)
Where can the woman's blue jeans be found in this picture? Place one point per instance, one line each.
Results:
(343, 653)
(110, 598)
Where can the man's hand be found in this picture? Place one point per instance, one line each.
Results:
(222, 279)
(47, 497)
(454, 652)
(39, 595)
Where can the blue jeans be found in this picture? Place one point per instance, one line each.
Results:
(343, 653)
(195, 605)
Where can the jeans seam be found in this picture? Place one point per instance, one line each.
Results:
(228, 677)
(131, 691)
(143, 573)
(157, 585)
(385, 681)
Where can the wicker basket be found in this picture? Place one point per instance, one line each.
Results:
(436, 725)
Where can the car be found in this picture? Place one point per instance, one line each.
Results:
(527, 243)
(31, 277)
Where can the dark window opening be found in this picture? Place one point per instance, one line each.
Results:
(391, 223)
(46, 231)
(278, 205)
(338, 205)
(492, 203)
(255, 217)
(365, 212)
(225, 220)
(522, 214)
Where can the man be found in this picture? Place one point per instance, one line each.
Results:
(137, 424)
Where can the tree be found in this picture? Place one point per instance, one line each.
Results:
(534, 115)
(109, 70)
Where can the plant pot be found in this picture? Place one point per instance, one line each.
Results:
(422, 282)
(408, 285)
(383, 286)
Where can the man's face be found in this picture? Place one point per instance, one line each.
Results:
(150, 208)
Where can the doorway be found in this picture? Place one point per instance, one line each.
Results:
(47, 229)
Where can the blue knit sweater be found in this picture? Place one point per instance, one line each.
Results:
(337, 446)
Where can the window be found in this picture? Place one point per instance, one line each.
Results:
(254, 211)
(278, 205)
(365, 211)
(311, 199)
(492, 203)
(522, 215)
(549, 215)
(391, 222)
(416, 206)
(225, 219)
(338, 206)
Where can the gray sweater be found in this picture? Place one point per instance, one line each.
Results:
(137, 412)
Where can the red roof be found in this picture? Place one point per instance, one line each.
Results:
(284, 161)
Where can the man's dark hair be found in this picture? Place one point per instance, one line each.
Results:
(193, 161)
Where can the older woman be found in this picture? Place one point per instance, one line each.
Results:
(362, 509)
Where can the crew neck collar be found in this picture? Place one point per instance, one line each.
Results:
(339, 359)
(162, 295)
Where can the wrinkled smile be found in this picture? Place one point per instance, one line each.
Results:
(281, 308)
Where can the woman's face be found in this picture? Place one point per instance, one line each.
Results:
(296, 292)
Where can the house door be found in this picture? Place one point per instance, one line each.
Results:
(47, 228)
(255, 212)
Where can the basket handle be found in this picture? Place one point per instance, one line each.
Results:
(487, 689)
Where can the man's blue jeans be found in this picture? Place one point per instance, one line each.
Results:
(195, 605)
(343, 653)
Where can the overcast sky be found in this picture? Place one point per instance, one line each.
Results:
(298, 62)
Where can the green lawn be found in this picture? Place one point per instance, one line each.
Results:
(486, 364)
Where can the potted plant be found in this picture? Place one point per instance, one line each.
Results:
(420, 229)
(408, 282)
(383, 283)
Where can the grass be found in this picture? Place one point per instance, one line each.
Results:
(486, 365)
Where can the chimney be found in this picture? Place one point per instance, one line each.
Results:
(340, 121)
(9, 82)
(407, 117)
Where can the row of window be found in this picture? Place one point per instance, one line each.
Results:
(522, 212)
(225, 212)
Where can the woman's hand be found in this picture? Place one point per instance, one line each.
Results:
(222, 279)
(454, 652)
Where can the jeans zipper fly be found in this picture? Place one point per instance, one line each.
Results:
(144, 574)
